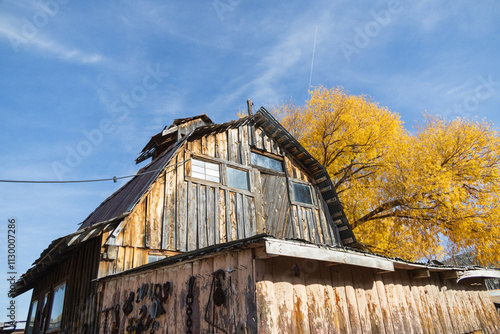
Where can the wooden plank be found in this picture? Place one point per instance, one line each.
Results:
(215, 205)
(240, 227)
(182, 217)
(362, 303)
(283, 295)
(221, 145)
(170, 213)
(394, 305)
(192, 210)
(259, 220)
(203, 270)
(294, 249)
(220, 317)
(410, 301)
(247, 224)
(201, 217)
(352, 305)
(267, 315)
(252, 218)
(300, 309)
(222, 216)
(316, 303)
(182, 205)
(233, 211)
(429, 322)
(229, 215)
(246, 292)
(436, 302)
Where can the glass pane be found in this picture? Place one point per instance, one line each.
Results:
(266, 162)
(57, 307)
(198, 163)
(212, 166)
(213, 178)
(302, 193)
(198, 169)
(198, 175)
(31, 319)
(237, 178)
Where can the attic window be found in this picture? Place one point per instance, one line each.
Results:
(302, 193)
(205, 170)
(237, 178)
(266, 162)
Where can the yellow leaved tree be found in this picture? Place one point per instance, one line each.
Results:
(429, 193)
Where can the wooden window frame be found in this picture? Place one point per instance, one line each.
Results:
(223, 165)
(314, 204)
(270, 156)
(49, 313)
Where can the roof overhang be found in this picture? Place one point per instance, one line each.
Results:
(57, 250)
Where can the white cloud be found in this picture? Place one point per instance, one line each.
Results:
(21, 36)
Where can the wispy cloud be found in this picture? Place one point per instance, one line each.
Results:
(15, 33)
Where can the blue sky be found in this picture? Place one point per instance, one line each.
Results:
(84, 85)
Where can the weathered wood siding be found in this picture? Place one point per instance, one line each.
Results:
(80, 303)
(306, 296)
(181, 213)
(236, 315)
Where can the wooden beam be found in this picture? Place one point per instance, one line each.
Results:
(420, 273)
(313, 252)
(451, 274)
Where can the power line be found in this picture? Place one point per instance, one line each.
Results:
(114, 178)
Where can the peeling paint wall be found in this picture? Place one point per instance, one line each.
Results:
(306, 296)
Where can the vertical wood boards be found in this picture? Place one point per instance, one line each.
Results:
(236, 315)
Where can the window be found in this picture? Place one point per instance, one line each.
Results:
(237, 178)
(154, 257)
(266, 162)
(205, 170)
(302, 193)
(57, 307)
(31, 317)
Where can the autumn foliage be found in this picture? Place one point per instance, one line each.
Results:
(427, 193)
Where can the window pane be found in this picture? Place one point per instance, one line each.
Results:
(198, 163)
(212, 166)
(154, 258)
(302, 193)
(205, 170)
(237, 178)
(266, 162)
(57, 307)
(31, 319)
(213, 178)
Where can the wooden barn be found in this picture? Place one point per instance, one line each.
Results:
(236, 228)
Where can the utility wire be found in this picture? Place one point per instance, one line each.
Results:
(114, 178)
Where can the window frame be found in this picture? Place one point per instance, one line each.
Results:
(50, 309)
(223, 166)
(311, 186)
(32, 315)
(268, 156)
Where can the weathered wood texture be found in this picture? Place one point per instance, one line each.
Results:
(77, 270)
(236, 315)
(305, 296)
(181, 213)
